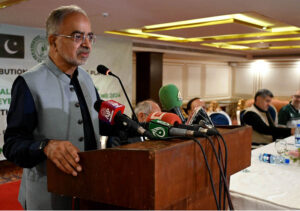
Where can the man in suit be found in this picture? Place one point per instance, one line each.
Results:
(51, 115)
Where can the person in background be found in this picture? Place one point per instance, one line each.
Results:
(289, 115)
(264, 129)
(213, 107)
(194, 103)
(144, 108)
(52, 115)
(142, 111)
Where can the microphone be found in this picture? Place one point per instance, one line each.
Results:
(171, 99)
(173, 119)
(200, 117)
(161, 129)
(158, 128)
(105, 71)
(107, 110)
(204, 130)
(111, 112)
(170, 118)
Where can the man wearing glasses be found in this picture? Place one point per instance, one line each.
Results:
(289, 115)
(51, 113)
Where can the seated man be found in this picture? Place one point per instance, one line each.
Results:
(194, 103)
(264, 129)
(289, 115)
(142, 110)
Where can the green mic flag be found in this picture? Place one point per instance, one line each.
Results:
(158, 128)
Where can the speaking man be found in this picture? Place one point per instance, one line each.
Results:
(51, 113)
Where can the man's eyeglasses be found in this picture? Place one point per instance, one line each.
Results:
(79, 37)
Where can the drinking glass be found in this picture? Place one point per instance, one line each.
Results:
(281, 146)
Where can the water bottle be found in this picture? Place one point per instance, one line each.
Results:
(273, 159)
(297, 136)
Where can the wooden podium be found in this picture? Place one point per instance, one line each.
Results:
(153, 174)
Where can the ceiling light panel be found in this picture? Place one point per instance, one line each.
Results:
(7, 3)
(238, 41)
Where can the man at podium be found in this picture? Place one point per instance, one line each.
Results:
(52, 110)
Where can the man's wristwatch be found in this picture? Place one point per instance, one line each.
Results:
(43, 144)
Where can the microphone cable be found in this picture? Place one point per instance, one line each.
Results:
(221, 158)
(209, 172)
(222, 173)
(226, 159)
(224, 169)
(205, 159)
(218, 203)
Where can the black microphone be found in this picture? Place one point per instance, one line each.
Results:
(200, 117)
(200, 128)
(105, 71)
(162, 129)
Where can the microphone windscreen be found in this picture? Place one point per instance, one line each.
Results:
(102, 69)
(170, 118)
(170, 97)
(108, 111)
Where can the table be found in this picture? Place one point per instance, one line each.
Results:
(267, 186)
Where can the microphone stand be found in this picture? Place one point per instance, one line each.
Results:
(133, 114)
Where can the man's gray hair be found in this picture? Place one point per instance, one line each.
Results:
(264, 93)
(144, 107)
(57, 15)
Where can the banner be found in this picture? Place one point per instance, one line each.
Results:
(21, 48)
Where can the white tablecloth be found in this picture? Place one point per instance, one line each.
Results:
(266, 186)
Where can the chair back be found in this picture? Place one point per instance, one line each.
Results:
(240, 115)
(220, 118)
(273, 112)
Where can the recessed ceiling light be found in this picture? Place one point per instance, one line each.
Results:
(105, 14)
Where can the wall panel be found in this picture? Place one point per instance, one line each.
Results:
(173, 74)
(194, 80)
(244, 80)
(282, 80)
(217, 81)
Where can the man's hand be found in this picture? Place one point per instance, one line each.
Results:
(65, 156)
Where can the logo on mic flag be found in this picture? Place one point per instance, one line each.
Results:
(107, 113)
(159, 128)
(158, 132)
(11, 46)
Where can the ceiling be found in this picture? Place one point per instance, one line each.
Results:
(109, 15)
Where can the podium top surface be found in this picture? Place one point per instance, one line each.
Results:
(155, 145)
